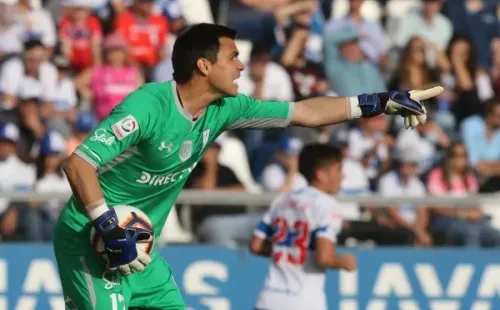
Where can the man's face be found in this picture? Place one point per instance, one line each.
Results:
(409, 169)
(351, 51)
(432, 7)
(33, 58)
(226, 69)
(331, 176)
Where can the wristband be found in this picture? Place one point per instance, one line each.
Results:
(353, 107)
(98, 211)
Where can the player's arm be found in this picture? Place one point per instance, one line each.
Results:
(260, 244)
(111, 142)
(322, 111)
(246, 112)
(329, 225)
(328, 258)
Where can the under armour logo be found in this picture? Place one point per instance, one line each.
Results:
(165, 147)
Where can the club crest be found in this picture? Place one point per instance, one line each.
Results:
(186, 150)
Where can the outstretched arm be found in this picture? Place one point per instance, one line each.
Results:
(322, 111)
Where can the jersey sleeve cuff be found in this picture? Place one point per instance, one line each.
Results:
(291, 110)
(85, 157)
(260, 234)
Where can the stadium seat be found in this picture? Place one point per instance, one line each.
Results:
(371, 9)
(196, 11)
(233, 155)
(173, 232)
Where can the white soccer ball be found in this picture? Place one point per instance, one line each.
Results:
(128, 217)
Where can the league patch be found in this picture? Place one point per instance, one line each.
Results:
(125, 127)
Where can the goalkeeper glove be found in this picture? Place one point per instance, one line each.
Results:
(120, 244)
(408, 104)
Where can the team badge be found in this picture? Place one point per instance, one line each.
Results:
(206, 134)
(186, 150)
(125, 127)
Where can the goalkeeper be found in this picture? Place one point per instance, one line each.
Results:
(143, 152)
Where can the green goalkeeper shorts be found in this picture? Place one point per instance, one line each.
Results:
(87, 285)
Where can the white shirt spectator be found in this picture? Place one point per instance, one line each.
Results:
(390, 185)
(12, 77)
(359, 145)
(274, 176)
(438, 31)
(40, 25)
(49, 184)
(11, 39)
(277, 84)
(355, 182)
(423, 145)
(66, 95)
(15, 175)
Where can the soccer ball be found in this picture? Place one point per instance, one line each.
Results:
(128, 217)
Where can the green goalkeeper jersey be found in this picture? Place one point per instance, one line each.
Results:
(146, 148)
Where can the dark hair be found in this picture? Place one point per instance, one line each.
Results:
(447, 171)
(471, 64)
(197, 41)
(30, 44)
(315, 156)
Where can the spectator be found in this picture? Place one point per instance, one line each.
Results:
(308, 77)
(481, 136)
(30, 116)
(210, 175)
(282, 174)
(404, 182)
(145, 33)
(84, 125)
(356, 227)
(468, 227)
(108, 84)
(370, 144)
(38, 25)
(301, 15)
(15, 175)
(426, 140)
(171, 9)
(471, 83)
(225, 229)
(347, 70)
(81, 35)
(40, 220)
(66, 101)
(413, 71)
(477, 20)
(265, 79)
(32, 66)
(11, 32)
(372, 41)
(430, 25)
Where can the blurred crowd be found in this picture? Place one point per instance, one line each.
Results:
(65, 64)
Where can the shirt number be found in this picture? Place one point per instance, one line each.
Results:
(295, 236)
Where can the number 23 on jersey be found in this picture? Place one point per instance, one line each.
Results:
(293, 236)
